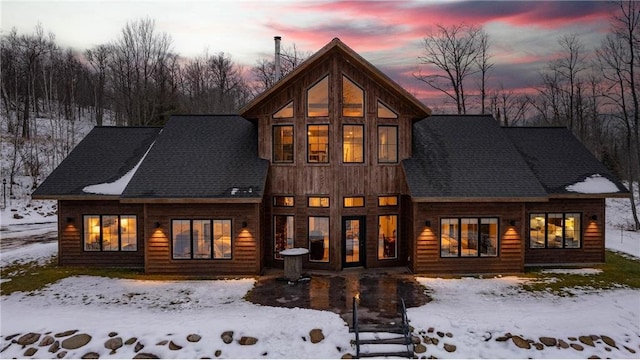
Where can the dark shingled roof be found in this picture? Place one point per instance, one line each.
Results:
(467, 157)
(199, 156)
(103, 156)
(557, 157)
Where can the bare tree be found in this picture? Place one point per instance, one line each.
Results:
(483, 61)
(98, 59)
(264, 70)
(453, 50)
(508, 107)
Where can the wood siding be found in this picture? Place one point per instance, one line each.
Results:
(245, 241)
(335, 179)
(70, 243)
(426, 257)
(592, 247)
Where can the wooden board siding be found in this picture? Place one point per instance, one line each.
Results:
(426, 249)
(246, 252)
(70, 243)
(592, 246)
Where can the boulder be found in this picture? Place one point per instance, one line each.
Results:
(577, 347)
(538, 346)
(173, 346)
(47, 340)
(30, 351)
(449, 335)
(76, 341)
(587, 340)
(146, 356)
(247, 340)
(163, 343)
(419, 349)
(113, 344)
(218, 353)
(28, 339)
(520, 342)
(609, 341)
(65, 333)
(548, 341)
(138, 347)
(61, 354)
(131, 341)
(113, 333)
(193, 338)
(227, 337)
(450, 348)
(563, 344)
(54, 347)
(91, 355)
(316, 336)
(347, 356)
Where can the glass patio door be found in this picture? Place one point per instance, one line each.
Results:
(353, 241)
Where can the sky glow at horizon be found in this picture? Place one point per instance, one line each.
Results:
(524, 34)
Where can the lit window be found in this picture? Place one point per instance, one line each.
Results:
(318, 201)
(110, 233)
(387, 237)
(284, 112)
(319, 238)
(469, 237)
(201, 239)
(352, 98)
(318, 143)
(385, 113)
(283, 144)
(353, 144)
(387, 201)
(286, 201)
(353, 201)
(387, 144)
(318, 99)
(555, 230)
(282, 234)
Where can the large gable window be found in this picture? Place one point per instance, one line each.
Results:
(318, 99)
(318, 143)
(555, 230)
(201, 239)
(352, 98)
(353, 143)
(283, 144)
(110, 233)
(387, 144)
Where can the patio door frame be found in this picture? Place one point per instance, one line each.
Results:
(361, 241)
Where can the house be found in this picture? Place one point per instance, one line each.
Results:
(339, 159)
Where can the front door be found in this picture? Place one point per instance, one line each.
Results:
(353, 241)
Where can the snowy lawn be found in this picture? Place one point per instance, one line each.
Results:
(473, 317)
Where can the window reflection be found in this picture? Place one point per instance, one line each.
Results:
(319, 239)
(318, 143)
(387, 236)
(318, 99)
(352, 98)
(353, 144)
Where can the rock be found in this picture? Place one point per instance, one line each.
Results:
(146, 356)
(18, 216)
(61, 354)
(593, 357)
(571, 338)
(91, 355)
(520, 342)
(430, 330)
(6, 347)
(265, 353)
(66, 333)
(577, 347)
(440, 333)
(449, 335)
(548, 341)
(629, 349)
(414, 339)
(247, 340)
(609, 341)
(450, 348)
(173, 346)
(138, 347)
(130, 341)
(218, 353)
(502, 338)
(47, 340)
(113, 344)
(76, 341)
(162, 343)
(11, 337)
(227, 337)
(347, 356)
(113, 333)
(435, 340)
(587, 340)
(419, 349)
(316, 335)
(193, 338)
(30, 351)
(538, 346)
(563, 344)
(28, 339)
(54, 347)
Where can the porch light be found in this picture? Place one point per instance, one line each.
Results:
(514, 222)
(427, 223)
(244, 224)
(157, 225)
(69, 220)
(594, 217)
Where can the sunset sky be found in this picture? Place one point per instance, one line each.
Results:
(524, 34)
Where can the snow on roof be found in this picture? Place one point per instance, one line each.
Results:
(118, 186)
(595, 184)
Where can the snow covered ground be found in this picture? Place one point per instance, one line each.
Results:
(474, 312)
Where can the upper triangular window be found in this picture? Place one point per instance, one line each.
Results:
(386, 113)
(284, 112)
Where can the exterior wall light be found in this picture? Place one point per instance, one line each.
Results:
(514, 222)
(427, 223)
(69, 220)
(244, 224)
(594, 217)
(157, 224)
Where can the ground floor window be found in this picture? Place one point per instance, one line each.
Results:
(387, 236)
(319, 238)
(110, 233)
(201, 239)
(555, 230)
(468, 237)
(282, 234)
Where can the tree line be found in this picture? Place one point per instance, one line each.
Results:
(139, 80)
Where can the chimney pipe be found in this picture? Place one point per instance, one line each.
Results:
(277, 58)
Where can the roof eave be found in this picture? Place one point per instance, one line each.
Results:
(182, 200)
(589, 196)
(75, 197)
(479, 199)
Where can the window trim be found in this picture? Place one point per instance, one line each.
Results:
(546, 233)
(328, 145)
(101, 242)
(364, 155)
(378, 144)
(273, 144)
(212, 254)
(459, 254)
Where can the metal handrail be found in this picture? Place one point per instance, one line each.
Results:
(405, 328)
(355, 326)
